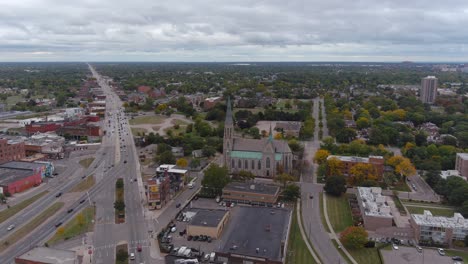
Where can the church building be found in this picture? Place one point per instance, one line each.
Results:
(262, 157)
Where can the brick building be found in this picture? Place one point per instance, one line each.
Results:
(11, 149)
(158, 191)
(207, 222)
(461, 164)
(14, 180)
(374, 208)
(251, 193)
(349, 161)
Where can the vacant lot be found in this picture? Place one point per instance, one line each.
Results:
(84, 184)
(339, 212)
(147, 120)
(298, 253)
(5, 214)
(80, 224)
(30, 226)
(138, 130)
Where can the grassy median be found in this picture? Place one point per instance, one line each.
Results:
(121, 254)
(298, 253)
(84, 184)
(7, 213)
(86, 162)
(30, 226)
(119, 204)
(80, 224)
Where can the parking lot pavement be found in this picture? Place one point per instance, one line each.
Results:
(205, 203)
(411, 255)
(180, 241)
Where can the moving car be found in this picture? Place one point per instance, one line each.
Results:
(132, 256)
(58, 194)
(10, 227)
(139, 248)
(395, 246)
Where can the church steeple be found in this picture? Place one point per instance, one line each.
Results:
(270, 137)
(228, 134)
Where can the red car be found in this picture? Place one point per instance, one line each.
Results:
(139, 248)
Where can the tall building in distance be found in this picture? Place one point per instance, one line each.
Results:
(428, 92)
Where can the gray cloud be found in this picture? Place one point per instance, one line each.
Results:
(222, 30)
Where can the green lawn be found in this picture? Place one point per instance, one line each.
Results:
(147, 120)
(462, 254)
(80, 224)
(366, 255)
(339, 212)
(84, 184)
(86, 162)
(5, 214)
(298, 253)
(175, 131)
(138, 130)
(179, 122)
(401, 186)
(434, 211)
(30, 226)
(12, 100)
(322, 213)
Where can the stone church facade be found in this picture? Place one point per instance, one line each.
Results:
(262, 157)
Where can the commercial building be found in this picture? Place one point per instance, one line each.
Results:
(255, 235)
(46, 255)
(14, 180)
(177, 176)
(428, 91)
(439, 230)
(207, 222)
(374, 208)
(349, 161)
(11, 149)
(158, 191)
(210, 102)
(43, 168)
(251, 193)
(461, 164)
(48, 144)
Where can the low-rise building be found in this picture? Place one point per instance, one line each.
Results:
(211, 102)
(11, 149)
(256, 235)
(207, 222)
(15, 180)
(48, 144)
(349, 161)
(43, 168)
(289, 128)
(374, 208)
(251, 193)
(158, 191)
(46, 255)
(439, 230)
(461, 164)
(450, 173)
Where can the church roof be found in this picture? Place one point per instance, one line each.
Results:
(252, 155)
(247, 144)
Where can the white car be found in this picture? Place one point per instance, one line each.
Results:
(441, 251)
(11, 227)
(132, 256)
(395, 247)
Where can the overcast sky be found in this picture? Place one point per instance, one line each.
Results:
(233, 30)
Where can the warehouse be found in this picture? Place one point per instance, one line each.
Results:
(14, 181)
(208, 222)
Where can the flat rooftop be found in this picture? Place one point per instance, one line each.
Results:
(354, 158)
(49, 255)
(21, 165)
(11, 175)
(427, 219)
(373, 202)
(463, 155)
(252, 228)
(209, 218)
(252, 188)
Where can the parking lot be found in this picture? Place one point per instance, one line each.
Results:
(204, 246)
(411, 255)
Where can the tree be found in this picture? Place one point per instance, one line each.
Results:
(354, 237)
(165, 158)
(405, 168)
(216, 177)
(194, 163)
(464, 211)
(119, 184)
(362, 123)
(60, 231)
(334, 166)
(284, 178)
(362, 172)
(345, 135)
(278, 136)
(245, 175)
(335, 185)
(321, 156)
(119, 205)
(182, 162)
(291, 192)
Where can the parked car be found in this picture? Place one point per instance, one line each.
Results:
(419, 249)
(441, 251)
(178, 205)
(189, 238)
(457, 258)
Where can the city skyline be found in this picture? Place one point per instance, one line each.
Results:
(213, 31)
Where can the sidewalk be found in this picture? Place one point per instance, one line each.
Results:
(333, 234)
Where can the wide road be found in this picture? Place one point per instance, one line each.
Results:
(312, 222)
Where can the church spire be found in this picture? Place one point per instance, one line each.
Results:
(228, 113)
(270, 137)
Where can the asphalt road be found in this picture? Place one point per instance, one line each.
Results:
(312, 222)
